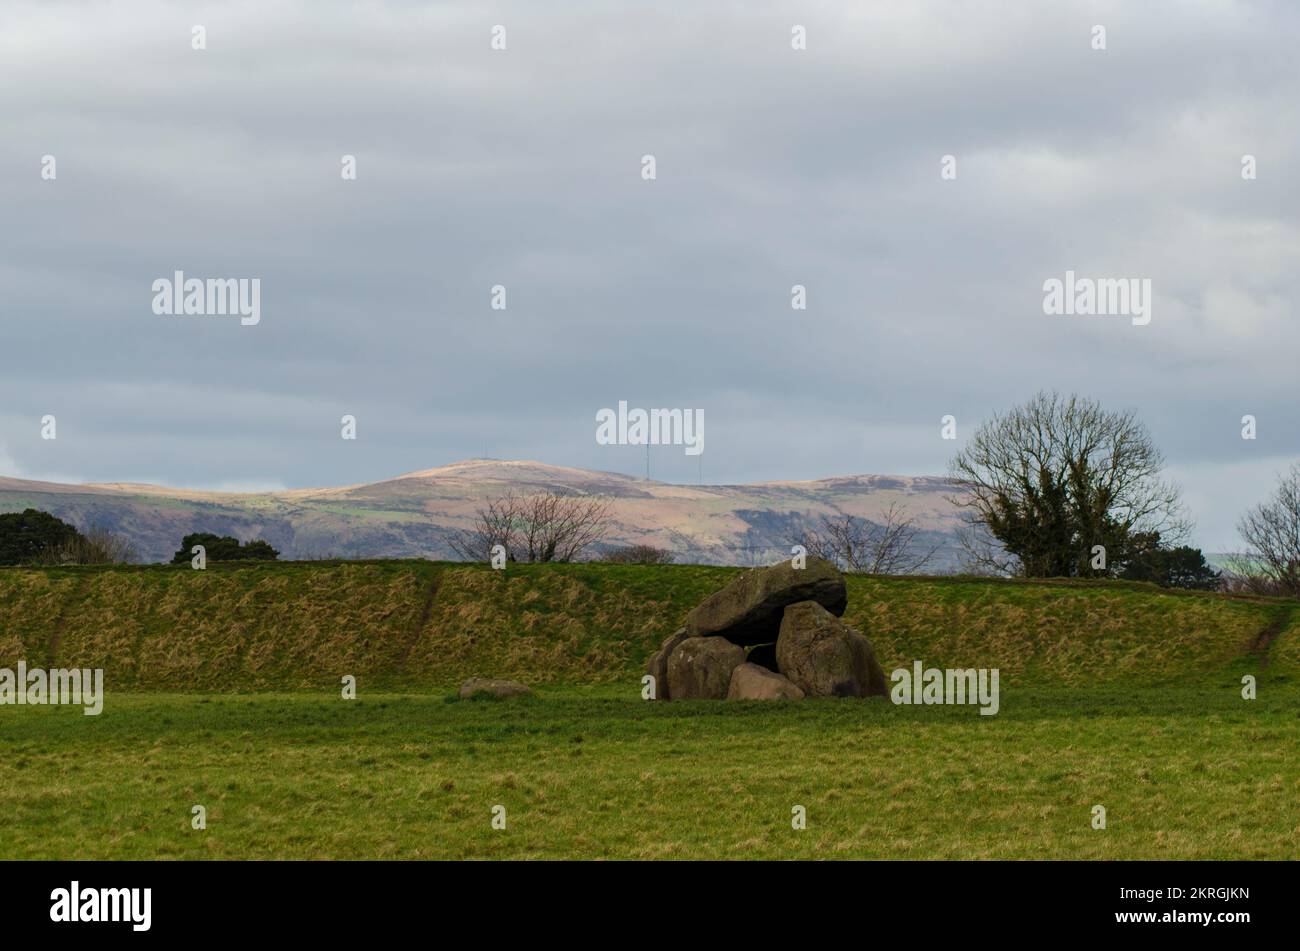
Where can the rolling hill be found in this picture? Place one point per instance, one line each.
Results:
(413, 515)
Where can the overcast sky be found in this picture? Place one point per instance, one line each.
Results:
(523, 168)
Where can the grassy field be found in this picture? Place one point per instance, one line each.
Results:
(223, 691)
(1189, 772)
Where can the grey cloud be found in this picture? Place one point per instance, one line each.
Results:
(521, 168)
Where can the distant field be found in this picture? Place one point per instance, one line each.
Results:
(223, 691)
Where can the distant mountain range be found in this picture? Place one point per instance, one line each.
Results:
(413, 515)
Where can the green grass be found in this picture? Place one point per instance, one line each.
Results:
(1191, 772)
(223, 691)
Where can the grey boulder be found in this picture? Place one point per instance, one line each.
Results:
(700, 668)
(494, 688)
(749, 609)
(824, 656)
(657, 665)
(752, 682)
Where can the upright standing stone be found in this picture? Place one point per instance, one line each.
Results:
(700, 668)
(825, 657)
(657, 665)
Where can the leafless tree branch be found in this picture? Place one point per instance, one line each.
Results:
(885, 547)
(1271, 531)
(544, 526)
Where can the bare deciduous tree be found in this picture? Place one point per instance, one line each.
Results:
(495, 524)
(544, 526)
(1271, 531)
(638, 555)
(982, 554)
(886, 547)
(1046, 482)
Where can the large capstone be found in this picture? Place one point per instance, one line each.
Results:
(749, 609)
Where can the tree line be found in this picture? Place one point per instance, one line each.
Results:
(36, 538)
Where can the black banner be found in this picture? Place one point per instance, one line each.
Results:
(918, 899)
